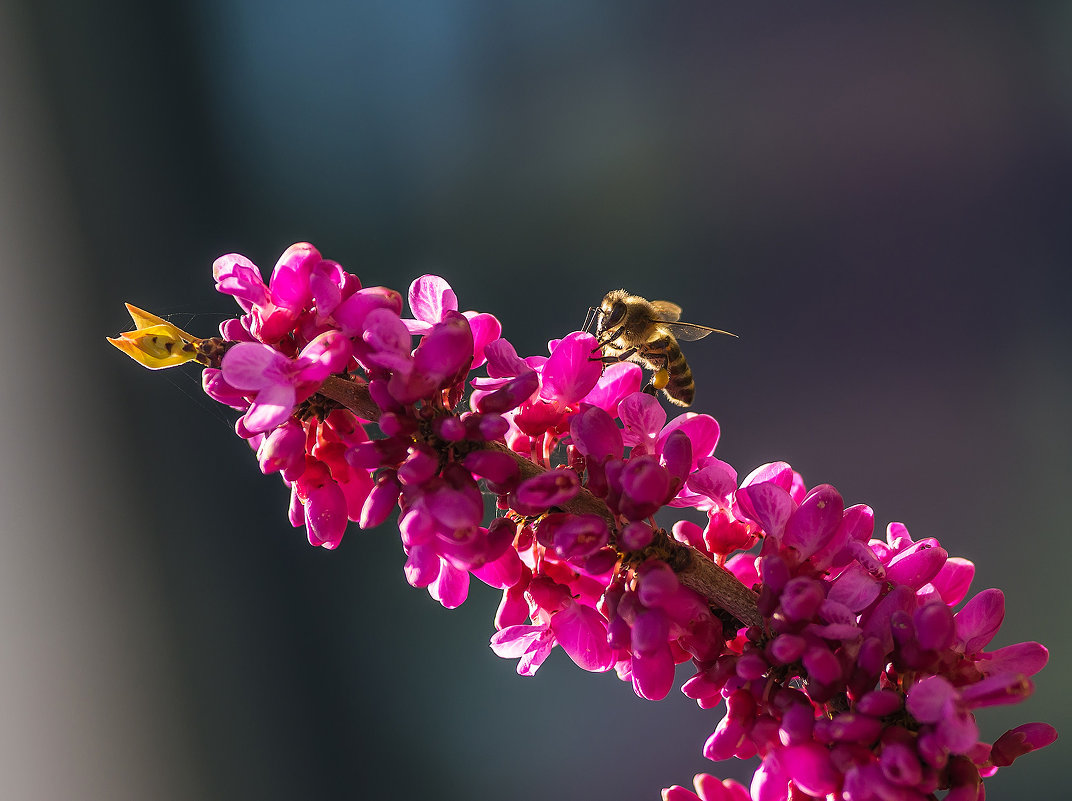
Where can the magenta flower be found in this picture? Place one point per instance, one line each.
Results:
(272, 310)
(837, 657)
(278, 382)
(431, 298)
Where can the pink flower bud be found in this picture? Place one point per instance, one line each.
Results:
(677, 456)
(645, 485)
(381, 500)
(656, 584)
(811, 768)
(918, 564)
(636, 536)
(580, 536)
(650, 631)
(653, 673)
(511, 395)
(1021, 740)
(752, 665)
(689, 533)
(494, 465)
(786, 648)
(419, 466)
(797, 724)
(325, 515)
(934, 626)
(446, 352)
(595, 434)
(821, 664)
(553, 488)
(880, 703)
(394, 425)
(801, 598)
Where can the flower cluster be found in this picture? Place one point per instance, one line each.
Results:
(838, 657)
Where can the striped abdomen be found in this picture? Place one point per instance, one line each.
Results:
(665, 352)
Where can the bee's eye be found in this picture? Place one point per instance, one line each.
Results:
(612, 318)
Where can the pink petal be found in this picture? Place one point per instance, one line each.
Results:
(217, 388)
(350, 315)
(1027, 658)
(503, 572)
(253, 366)
(271, 407)
(653, 674)
(857, 525)
(446, 349)
(917, 564)
(643, 417)
(570, 372)
(513, 641)
(595, 434)
(388, 340)
(702, 431)
(451, 586)
(767, 504)
(486, 329)
(430, 297)
(618, 381)
(326, 354)
(930, 699)
(325, 515)
(815, 521)
(778, 473)
(678, 793)
(289, 284)
(979, 620)
(856, 588)
(954, 579)
(1021, 740)
(503, 361)
(326, 283)
(811, 768)
(713, 479)
(582, 633)
(422, 565)
(238, 276)
(770, 782)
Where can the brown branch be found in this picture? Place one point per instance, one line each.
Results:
(699, 573)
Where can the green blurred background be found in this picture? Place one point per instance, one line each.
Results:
(876, 200)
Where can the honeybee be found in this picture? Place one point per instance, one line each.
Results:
(647, 332)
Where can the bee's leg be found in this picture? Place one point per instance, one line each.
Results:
(660, 376)
(617, 357)
(608, 336)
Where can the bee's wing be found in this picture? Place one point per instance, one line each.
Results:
(690, 332)
(665, 310)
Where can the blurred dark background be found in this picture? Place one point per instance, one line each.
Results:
(875, 199)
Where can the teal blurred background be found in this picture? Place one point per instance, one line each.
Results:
(876, 199)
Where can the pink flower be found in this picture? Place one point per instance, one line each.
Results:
(430, 298)
(271, 311)
(278, 382)
(853, 677)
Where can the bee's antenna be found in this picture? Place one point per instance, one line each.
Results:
(590, 318)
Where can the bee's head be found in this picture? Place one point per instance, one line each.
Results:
(612, 310)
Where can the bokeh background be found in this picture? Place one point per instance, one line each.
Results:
(875, 198)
